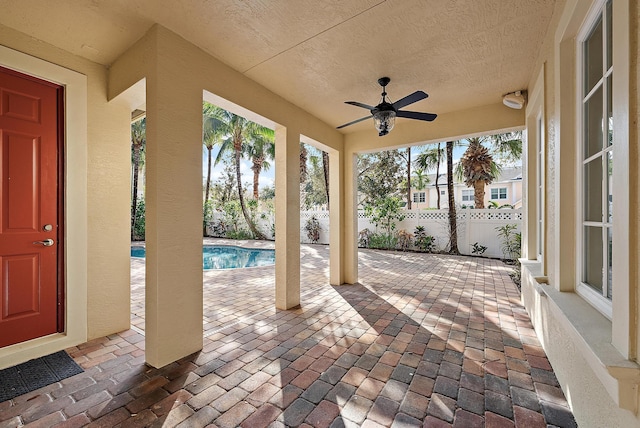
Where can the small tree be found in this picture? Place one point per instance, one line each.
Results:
(384, 213)
(232, 214)
(511, 241)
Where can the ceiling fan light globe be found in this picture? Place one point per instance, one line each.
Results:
(384, 121)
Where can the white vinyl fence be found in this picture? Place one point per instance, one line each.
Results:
(474, 226)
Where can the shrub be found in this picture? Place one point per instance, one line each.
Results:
(404, 239)
(218, 228)
(364, 238)
(423, 241)
(478, 249)
(239, 234)
(382, 241)
(139, 224)
(313, 228)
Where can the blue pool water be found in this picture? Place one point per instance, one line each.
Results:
(226, 256)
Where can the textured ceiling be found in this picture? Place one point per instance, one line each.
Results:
(319, 53)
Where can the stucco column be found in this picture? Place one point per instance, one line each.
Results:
(287, 218)
(529, 191)
(563, 271)
(173, 298)
(336, 218)
(350, 234)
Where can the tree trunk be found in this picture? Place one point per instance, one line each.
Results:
(409, 178)
(257, 167)
(478, 193)
(134, 196)
(438, 176)
(325, 167)
(453, 223)
(256, 233)
(207, 190)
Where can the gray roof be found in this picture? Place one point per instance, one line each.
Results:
(507, 174)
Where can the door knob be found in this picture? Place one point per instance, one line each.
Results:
(46, 242)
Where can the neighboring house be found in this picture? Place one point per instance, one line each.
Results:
(505, 189)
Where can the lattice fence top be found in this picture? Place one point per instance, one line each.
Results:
(495, 214)
(318, 214)
(471, 214)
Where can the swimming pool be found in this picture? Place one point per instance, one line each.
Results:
(226, 256)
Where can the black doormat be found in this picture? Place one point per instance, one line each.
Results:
(35, 374)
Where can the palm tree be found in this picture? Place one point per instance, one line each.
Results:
(429, 159)
(138, 141)
(262, 149)
(453, 222)
(507, 146)
(477, 168)
(420, 179)
(239, 133)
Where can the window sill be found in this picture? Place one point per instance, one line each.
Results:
(590, 332)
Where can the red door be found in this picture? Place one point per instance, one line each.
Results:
(29, 131)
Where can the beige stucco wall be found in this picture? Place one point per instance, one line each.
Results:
(107, 191)
(584, 348)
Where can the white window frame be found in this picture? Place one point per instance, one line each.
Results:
(592, 296)
(498, 191)
(419, 197)
(469, 194)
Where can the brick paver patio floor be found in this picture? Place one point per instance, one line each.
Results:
(422, 341)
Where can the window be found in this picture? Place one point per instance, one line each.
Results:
(467, 195)
(499, 193)
(596, 162)
(442, 192)
(418, 197)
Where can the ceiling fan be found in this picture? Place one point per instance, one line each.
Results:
(385, 113)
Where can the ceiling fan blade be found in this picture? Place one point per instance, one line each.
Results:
(357, 104)
(354, 122)
(417, 115)
(410, 99)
